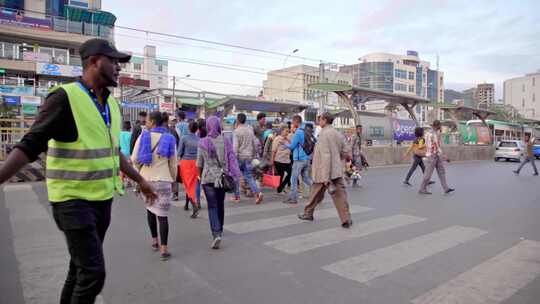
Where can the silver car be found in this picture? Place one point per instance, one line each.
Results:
(509, 150)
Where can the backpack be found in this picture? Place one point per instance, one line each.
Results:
(309, 143)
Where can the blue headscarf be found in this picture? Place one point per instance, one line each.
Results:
(165, 147)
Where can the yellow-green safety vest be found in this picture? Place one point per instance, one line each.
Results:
(87, 169)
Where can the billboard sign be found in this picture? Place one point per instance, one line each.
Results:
(58, 69)
(11, 100)
(19, 19)
(35, 56)
(15, 90)
(403, 129)
(166, 107)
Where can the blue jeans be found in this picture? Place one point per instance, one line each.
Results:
(299, 168)
(247, 172)
(215, 198)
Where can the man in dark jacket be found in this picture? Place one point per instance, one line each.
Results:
(140, 124)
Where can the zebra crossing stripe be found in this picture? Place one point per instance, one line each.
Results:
(41, 253)
(380, 262)
(491, 282)
(253, 209)
(287, 220)
(305, 242)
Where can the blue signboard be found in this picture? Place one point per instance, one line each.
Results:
(139, 105)
(12, 100)
(403, 129)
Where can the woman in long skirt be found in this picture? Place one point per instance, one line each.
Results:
(155, 156)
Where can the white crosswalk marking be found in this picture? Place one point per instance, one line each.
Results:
(309, 241)
(491, 282)
(283, 221)
(39, 246)
(252, 209)
(374, 264)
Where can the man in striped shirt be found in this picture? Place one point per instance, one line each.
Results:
(434, 159)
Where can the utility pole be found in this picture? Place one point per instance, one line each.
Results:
(320, 93)
(173, 97)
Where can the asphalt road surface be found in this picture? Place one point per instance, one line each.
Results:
(480, 244)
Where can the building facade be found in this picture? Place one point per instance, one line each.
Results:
(292, 84)
(148, 67)
(39, 42)
(485, 94)
(401, 74)
(523, 93)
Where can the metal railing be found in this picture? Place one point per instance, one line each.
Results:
(61, 24)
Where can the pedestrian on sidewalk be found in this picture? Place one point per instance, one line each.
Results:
(125, 148)
(79, 127)
(434, 158)
(356, 148)
(215, 156)
(155, 156)
(172, 130)
(245, 148)
(140, 125)
(301, 158)
(259, 129)
(187, 153)
(418, 149)
(330, 153)
(529, 157)
(281, 159)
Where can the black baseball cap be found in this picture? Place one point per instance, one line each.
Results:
(102, 47)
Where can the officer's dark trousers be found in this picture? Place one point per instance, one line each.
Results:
(84, 224)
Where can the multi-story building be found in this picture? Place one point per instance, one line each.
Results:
(485, 95)
(523, 93)
(292, 84)
(39, 42)
(148, 67)
(401, 74)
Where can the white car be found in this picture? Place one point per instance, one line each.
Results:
(510, 150)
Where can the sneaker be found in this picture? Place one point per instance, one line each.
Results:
(175, 197)
(424, 192)
(216, 243)
(536, 174)
(235, 199)
(449, 190)
(516, 172)
(186, 206)
(347, 224)
(431, 182)
(259, 198)
(406, 183)
(155, 247)
(195, 213)
(165, 256)
(290, 201)
(305, 217)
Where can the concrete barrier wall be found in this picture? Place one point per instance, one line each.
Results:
(384, 156)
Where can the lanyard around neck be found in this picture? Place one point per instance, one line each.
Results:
(104, 111)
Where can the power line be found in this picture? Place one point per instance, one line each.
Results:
(216, 43)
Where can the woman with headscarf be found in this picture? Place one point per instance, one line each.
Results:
(155, 156)
(215, 156)
(187, 152)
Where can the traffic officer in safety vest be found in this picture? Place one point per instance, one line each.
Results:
(79, 126)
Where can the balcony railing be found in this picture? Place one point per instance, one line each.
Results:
(55, 23)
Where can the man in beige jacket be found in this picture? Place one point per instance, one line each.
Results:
(327, 171)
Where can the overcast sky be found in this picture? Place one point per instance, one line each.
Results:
(477, 41)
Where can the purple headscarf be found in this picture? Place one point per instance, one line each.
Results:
(213, 129)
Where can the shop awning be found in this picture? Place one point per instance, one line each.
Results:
(84, 15)
(252, 104)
